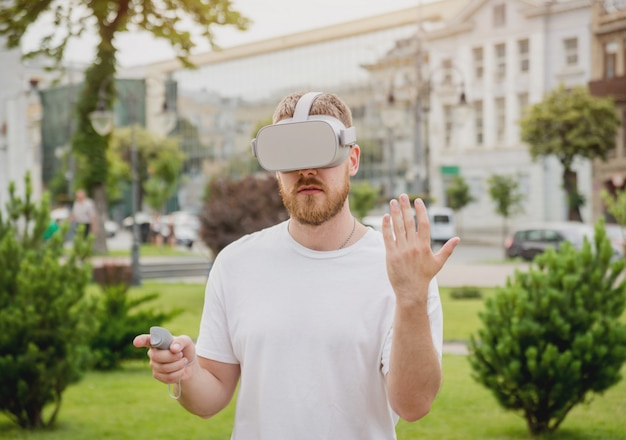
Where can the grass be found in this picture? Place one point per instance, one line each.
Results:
(130, 404)
(150, 250)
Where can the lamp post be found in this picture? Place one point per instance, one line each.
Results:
(422, 135)
(102, 123)
(391, 117)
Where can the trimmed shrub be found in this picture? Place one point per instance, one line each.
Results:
(553, 336)
(466, 292)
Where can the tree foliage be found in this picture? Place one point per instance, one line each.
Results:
(570, 124)
(553, 336)
(616, 206)
(458, 193)
(363, 198)
(234, 208)
(459, 196)
(45, 318)
(159, 162)
(507, 196)
(169, 21)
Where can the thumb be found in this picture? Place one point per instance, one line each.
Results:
(142, 341)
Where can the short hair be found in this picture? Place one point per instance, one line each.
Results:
(325, 104)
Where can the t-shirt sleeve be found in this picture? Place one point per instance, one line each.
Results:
(435, 317)
(214, 340)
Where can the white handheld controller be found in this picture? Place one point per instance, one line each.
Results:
(160, 338)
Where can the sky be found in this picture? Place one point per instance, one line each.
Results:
(271, 18)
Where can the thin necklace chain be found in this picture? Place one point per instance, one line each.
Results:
(351, 234)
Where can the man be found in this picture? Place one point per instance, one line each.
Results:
(84, 213)
(331, 329)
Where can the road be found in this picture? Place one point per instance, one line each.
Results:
(471, 264)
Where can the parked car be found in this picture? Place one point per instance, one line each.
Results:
(530, 241)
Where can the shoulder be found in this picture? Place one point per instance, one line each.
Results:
(254, 243)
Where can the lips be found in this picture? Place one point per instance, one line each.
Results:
(309, 189)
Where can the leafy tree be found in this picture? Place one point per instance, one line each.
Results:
(72, 18)
(570, 124)
(159, 164)
(458, 194)
(363, 197)
(46, 320)
(506, 194)
(234, 208)
(552, 336)
(616, 206)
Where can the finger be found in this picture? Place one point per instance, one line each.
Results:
(423, 224)
(396, 219)
(447, 249)
(407, 215)
(387, 232)
(141, 341)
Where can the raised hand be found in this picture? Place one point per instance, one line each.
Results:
(411, 263)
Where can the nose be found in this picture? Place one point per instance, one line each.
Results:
(308, 172)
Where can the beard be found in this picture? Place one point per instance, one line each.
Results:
(314, 209)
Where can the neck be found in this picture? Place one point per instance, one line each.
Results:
(341, 230)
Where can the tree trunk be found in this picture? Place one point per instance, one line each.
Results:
(100, 200)
(574, 199)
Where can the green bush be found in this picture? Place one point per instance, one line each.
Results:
(120, 317)
(552, 336)
(466, 292)
(46, 320)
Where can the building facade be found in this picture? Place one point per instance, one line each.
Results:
(20, 113)
(495, 56)
(608, 79)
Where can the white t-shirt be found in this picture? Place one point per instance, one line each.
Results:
(312, 333)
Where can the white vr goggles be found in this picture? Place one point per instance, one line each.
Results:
(303, 141)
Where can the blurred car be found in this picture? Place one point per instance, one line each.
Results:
(185, 224)
(530, 241)
(442, 224)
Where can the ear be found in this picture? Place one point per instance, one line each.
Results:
(354, 159)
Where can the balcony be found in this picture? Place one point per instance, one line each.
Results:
(614, 87)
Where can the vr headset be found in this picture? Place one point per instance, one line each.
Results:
(303, 141)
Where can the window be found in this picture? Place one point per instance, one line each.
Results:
(570, 46)
(499, 15)
(522, 103)
(478, 121)
(446, 66)
(610, 60)
(477, 55)
(524, 56)
(500, 52)
(448, 125)
(500, 121)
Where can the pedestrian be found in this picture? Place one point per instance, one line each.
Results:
(84, 213)
(329, 329)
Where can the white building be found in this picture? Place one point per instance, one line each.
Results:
(19, 129)
(504, 55)
(510, 53)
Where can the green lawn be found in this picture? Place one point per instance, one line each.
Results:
(130, 404)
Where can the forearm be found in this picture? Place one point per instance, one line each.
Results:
(414, 375)
(202, 393)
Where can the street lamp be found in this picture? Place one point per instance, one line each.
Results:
(422, 139)
(102, 123)
(391, 117)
